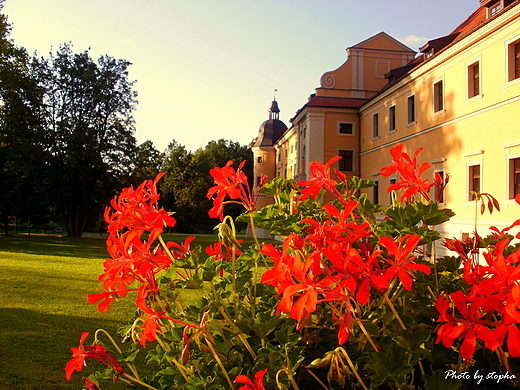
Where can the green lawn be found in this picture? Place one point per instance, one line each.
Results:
(43, 306)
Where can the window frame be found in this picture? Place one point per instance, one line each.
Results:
(442, 172)
(392, 119)
(375, 125)
(343, 160)
(438, 99)
(411, 112)
(470, 179)
(353, 128)
(375, 191)
(512, 51)
(511, 172)
(474, 89)
(391, 180)
(495, 9)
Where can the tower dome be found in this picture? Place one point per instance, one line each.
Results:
(272, 129)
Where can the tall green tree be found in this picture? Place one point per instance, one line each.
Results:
(22, 156)
(89, 130)
(187, 181)
(146, 163)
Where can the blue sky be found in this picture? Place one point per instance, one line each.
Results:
(207, 69)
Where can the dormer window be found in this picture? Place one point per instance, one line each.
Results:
(494, 6)
(494, 9)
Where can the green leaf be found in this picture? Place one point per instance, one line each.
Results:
(437, 381)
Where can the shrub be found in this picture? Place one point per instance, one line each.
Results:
(346, 299)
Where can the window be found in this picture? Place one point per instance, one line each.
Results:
(439, 194)
(473, 181)
(474, 80)
(514, 177)
(517, 60)
(391, 182)
(410, 108)
(494, 9)
(347, 160)
(391, 119)
(375, 193)
(513, 60)
(260, 159)
(346, 128)
(375, 126)
(438, 96)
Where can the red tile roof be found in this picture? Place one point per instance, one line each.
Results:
(476, 18)
(330, 102)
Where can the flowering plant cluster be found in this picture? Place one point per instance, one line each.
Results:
(351, 296)
(490, 307)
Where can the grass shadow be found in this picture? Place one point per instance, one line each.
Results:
(87, 247)
(32, 345)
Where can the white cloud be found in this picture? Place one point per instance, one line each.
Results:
(414, 41)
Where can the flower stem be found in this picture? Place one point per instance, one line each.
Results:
(130, 365)
(255, 276)
(352, 367)
(431, 292)
(166, 249)
(233, 263)
(181, 369)
(392, 307)
(219, 362)
(228, 319)
(109, 337)
(288, 373)
(363, 329)
(255, 237)
(139, 382)
(317, 379)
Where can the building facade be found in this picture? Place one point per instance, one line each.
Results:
(459, 98)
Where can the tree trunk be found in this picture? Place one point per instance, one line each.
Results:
(76, 223)
(5, 223)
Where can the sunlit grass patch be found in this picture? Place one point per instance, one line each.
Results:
(44, 308)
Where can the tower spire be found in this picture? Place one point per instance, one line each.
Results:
(274, 111)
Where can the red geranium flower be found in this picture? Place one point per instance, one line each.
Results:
(234, 184)
(97, 352)
(138, 210)
(89, 384)
(181, 250)
(410, 178)
(152, 319)
(248, 383)
(319, 178)
(401, 260)
(470, 327)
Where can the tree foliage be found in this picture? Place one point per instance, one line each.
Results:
(21, 133)
(187, 180)
(89, 130)
(67, 143)
(146, 163)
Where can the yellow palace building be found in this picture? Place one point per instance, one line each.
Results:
(458, 98)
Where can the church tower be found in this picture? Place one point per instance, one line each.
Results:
(264, 154)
